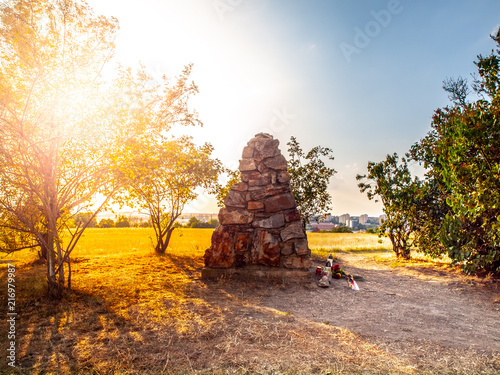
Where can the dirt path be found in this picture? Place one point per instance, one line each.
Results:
(402, 304)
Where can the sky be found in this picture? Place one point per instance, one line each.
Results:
(360, 77)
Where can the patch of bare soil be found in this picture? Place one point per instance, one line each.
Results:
(402, 304)
(417, 311)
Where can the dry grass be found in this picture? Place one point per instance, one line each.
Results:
(322, 244)
(132, 312)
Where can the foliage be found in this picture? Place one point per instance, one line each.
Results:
(223, 190)
(122, 222)
(462, 157)
(391, 182)
(64, 127)
(195, 223)
(429, 205)
(85, 217)
(55, 144)
(106, 223)
(455, 209)
(341, 229)
(309, 178)
(162, 176)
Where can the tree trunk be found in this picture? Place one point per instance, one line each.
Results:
(51, 275)
(43, 247)
(69, 273)
(55, 289)
(161, 246)
(167, 239)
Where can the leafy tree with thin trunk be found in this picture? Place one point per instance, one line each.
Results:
(64, 127)
(391, 182)
(309, 178)
(163, 176)
(458, 205)
(52, 157)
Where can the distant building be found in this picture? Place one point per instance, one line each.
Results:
(363, 219)
(316, 227)
(382, 218)
(353, 223)
(343, 219)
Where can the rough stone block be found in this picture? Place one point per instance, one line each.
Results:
(266, 148)
(242, 249)
(221, 253)
(293, 230)
(284, 177)
(248, 151)
(255, 205)
(251, 175)
(235, 199)
(292, 215)
(287, 248)
(301, 247)
(247, 165)
(266, 249)
(227, 217)
(276, 163)
(240, 186)
(296, 262)
(272, 222)
(262, 181)
(279, 202)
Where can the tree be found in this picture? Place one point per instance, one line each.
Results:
(163, 176)
(85, 217)
(223, 190)
(122, 222)
(460, 213)
(106, 223)
(195, 223)
(63, 127)
(309, 178)
(52, 157)
(391, 182)
(341, 229)
(429, 206)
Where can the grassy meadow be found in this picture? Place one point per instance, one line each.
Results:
(132, 311)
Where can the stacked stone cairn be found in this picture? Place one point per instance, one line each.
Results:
(260, 225)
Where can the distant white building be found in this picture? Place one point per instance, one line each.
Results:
(343, 219)
(363, 219)
(382, 218)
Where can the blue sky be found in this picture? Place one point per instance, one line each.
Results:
(360, 77)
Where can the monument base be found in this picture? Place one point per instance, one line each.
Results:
(257, 273)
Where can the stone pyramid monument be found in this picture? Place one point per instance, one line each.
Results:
(260, 231)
